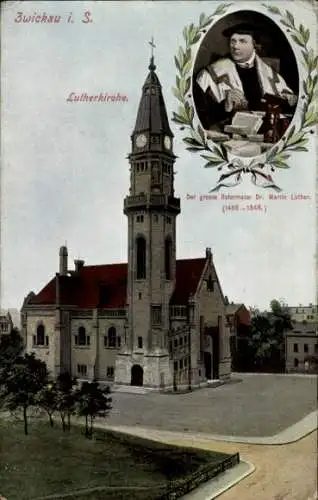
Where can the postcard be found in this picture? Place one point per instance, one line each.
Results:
(159, 238)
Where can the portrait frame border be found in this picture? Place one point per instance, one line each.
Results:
(217, 155)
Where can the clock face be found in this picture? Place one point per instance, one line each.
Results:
(141, 141)
(167, 142)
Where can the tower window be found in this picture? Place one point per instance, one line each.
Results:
(139, 342)
(111, 337)
(139, 218)
(210, 284)
(81, 336)
(168, 220)
(155, 173)
(110, 372)
(156, 315)
(40, 335)
(82, 370)
(168, 258)
(141, 258)
(155, 218)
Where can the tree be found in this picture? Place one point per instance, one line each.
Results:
(48, 400)
(24, 380)
(267, 342)
(66, 398)
(11, 347)
(93, 401)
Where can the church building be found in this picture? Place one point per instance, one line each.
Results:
(155, 321)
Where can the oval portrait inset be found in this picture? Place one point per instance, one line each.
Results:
(245, 83)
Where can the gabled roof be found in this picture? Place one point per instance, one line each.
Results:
(105, 286)
(233, 308)
(188, 274)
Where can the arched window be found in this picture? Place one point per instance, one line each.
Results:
(168, 258)
(81, 336)
(141, 258)
(111, 337)
(40, 334)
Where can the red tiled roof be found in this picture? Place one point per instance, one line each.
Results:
(241, 312)
(188, 274)
(105, 285)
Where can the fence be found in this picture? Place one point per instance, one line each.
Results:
(180, 487)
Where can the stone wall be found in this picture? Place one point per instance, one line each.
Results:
(45, 353)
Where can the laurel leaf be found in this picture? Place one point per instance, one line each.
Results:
(177, 64)
(224, 151)
(186, 68)
(193, 142)
(202, 18)
(185, 33)
(213, 163)
(196, 38)
(280, 164)
(177, 94)
(187, 85)
(290, 18)
(296, 37)
(221, 9)
(306, 35)
(295, 138)
(201, 133)
(179, 119)
(285, 23)
(311, 118)
(272, 9)
(302, 30)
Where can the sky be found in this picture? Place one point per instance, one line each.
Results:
(64, 169)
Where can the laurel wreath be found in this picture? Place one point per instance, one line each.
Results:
(217, 155)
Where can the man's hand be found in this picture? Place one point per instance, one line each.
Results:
(235, 100)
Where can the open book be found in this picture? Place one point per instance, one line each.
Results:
(244, 123)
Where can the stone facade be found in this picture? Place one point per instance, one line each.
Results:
(301, 348)
(6, 323)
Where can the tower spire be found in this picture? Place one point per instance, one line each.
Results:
(152, 65)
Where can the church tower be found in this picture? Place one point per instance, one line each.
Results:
(151, 209)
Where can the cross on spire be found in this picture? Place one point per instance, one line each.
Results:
(152, 63)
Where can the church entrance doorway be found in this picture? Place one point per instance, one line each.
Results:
(208, 365)
(212, 362)
(137, 375)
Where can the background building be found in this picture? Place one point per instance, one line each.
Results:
(6, 323)
(301, 346)
(304, 313)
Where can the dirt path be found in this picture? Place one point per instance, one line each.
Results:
(283, 472)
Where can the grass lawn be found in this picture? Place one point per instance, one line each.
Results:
(48, 461)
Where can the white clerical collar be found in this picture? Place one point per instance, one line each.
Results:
(248, 64)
